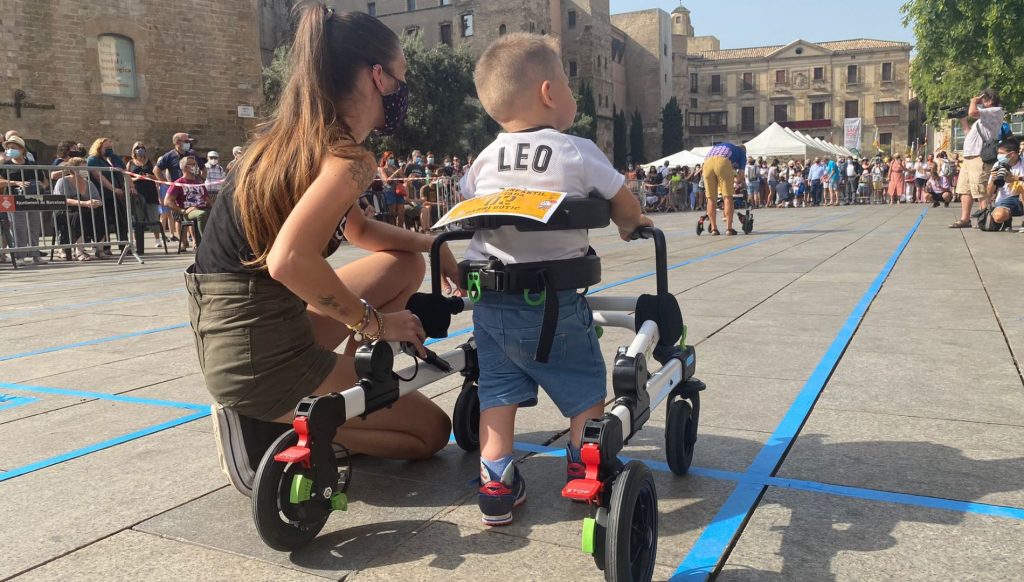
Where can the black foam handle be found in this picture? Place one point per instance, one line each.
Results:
(660, 253)
(435, 312)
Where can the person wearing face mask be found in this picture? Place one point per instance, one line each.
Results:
(215, 174)
(27, 226)
(1006, 183)
(189, 197)
(267, 308)
(85, 214)
(394, 188)
(113, 188)
(140, 165)
(168, 166)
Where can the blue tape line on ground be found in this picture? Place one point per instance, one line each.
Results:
(94, 342)
(710, 548)
(104, 396)
(900, 498)
(810, 486)
(32, 467)
(7, 402)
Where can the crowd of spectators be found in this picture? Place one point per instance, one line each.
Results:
(99, 186)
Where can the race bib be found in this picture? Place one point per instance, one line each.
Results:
(532, 204)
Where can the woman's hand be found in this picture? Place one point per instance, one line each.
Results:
(450, 283)
(401, 326)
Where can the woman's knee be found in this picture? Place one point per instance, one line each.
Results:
(435, 431)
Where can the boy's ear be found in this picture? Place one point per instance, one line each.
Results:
(545, 94)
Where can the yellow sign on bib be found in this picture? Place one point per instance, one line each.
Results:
(533, 204)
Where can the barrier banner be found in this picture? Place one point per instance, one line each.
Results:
(851, 130)
(45, 202)
(532, 204)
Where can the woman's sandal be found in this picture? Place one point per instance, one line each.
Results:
(730, 232)
(961, 224)
(83, 257)
(714, 232)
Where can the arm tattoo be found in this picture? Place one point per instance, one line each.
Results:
(363, 170)
(327, 301)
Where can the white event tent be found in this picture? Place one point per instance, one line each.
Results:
(683, 158)
(780, 142)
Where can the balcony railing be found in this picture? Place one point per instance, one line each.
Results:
(887, 119)
(808, 124)
(707, 129)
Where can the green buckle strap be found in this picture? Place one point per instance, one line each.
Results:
(535, 302)
(473, 286)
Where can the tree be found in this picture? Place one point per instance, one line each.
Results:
(964, 46)
(275, 75)
(671, 128)
(586, 114)
(620, 137)
(442, 101)
(636, 138)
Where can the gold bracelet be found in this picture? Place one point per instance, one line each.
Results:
(380, 328)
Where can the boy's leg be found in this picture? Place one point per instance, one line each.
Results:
(497, 430)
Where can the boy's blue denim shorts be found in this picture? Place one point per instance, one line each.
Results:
(507, 331)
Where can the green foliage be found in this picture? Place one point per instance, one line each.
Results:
(964, 46)
(444, 115)
(275, 76)
(636, 138)
(586, 114)
(671, 128)
(620, 136)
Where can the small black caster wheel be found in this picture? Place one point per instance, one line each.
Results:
(680, 428)
(287, 516)
(466, 418)
(700, 227)
(631, 543)
(748, 225)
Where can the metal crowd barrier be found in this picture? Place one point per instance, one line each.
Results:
(35, 203)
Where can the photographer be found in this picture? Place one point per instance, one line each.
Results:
(1007, 184)
(979, 152)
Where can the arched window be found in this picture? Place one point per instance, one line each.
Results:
(117, 65)
(502, 30)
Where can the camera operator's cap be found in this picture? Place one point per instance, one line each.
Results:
(213, 154)
(15, 140)
(236, 151)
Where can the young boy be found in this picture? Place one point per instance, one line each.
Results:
(522, 85)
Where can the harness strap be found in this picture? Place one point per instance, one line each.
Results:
(550, 321)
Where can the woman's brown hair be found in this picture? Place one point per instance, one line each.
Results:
(285, 155)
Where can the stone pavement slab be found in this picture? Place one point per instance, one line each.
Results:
(797, 535)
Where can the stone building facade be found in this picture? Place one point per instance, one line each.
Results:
(734, 94)
(129, 70)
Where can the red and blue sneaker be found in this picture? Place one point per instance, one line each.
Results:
(498, 496)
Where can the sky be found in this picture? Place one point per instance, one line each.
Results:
(748, 23)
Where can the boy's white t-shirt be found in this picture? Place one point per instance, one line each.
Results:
(1005, 191)
(542, 159)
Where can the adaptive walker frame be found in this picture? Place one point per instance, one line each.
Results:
(302, 478)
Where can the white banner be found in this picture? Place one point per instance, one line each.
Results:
(851, 132)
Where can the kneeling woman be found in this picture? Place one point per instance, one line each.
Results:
(267, 310)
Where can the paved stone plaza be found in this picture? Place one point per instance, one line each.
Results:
(909, 466)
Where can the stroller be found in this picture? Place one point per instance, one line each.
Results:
(740, 201)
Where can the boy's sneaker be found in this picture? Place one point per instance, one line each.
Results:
(573, 468)
(241, 444)
(499, 496)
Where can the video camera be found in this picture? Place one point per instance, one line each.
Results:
(999, 172)
(955, 111)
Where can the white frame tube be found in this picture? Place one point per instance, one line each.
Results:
(645, 340)
(611, 303)
(355, 397)
(620, 320)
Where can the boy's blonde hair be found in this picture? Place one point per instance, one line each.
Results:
(511, 69)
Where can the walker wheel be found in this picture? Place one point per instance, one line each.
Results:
(680, 427)
(632, 536)
(748, 224)
(700, 226)
(282, 524)
(466, 418)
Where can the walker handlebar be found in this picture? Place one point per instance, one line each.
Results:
(660, 252)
